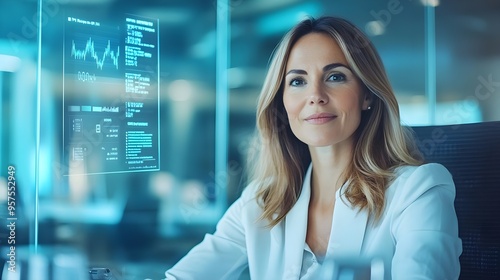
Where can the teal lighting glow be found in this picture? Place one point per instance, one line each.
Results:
(34, 238)
(281, 21)
(222, 99)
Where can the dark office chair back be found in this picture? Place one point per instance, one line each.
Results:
(471, 152)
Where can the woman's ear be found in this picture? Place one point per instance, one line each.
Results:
(367, 100)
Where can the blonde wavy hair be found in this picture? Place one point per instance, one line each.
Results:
(381, 143)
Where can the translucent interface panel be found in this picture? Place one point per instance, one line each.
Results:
(127, 131)
(111, 94)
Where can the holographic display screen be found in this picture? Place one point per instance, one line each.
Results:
(110, 95)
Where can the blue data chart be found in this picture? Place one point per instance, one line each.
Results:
(90, 51)
(111, 95)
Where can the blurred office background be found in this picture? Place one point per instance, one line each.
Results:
(443, 59)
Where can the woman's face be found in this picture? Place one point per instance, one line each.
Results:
(322, 97)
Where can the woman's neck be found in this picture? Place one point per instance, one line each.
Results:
(328, 174)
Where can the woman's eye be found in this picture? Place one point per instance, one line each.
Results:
(337, 77)
(296, 82)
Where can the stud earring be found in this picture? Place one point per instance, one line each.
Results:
(369, 107)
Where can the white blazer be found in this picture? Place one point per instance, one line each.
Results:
(416, 237)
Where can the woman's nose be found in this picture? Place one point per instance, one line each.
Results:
(318, 96)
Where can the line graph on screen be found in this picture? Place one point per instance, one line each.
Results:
(101, 56)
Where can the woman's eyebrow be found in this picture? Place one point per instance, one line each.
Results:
(335, 65)
(296, 71)
(325, 69)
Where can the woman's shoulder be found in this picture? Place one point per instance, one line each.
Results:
(249, 193)
(433, 169)
(426, 166)
(429, 172)
(243, 214)
(412, 181)
(248, 200)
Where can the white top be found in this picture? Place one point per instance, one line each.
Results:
(416, 237)
(310, 264)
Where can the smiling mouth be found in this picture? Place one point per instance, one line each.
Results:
(320, 118)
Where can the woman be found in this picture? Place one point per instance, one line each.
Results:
(336, 174)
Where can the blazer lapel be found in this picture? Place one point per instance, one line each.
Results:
(348, 229)
(295, 231)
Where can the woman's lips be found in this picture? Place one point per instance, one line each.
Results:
(320, 118)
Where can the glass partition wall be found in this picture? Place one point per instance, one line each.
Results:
(125, 125)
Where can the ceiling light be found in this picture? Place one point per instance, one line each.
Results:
(431, 3)
(9, 63)
(375, 28)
